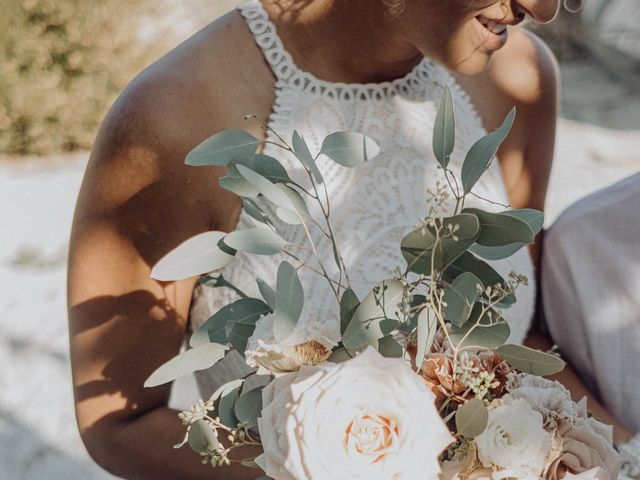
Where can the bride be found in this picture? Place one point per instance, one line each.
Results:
(373, 66)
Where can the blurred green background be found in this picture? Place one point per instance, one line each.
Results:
(62, 62)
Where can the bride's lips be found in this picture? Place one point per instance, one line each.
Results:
(493, 32)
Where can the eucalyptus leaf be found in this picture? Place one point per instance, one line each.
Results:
(427, 328)
(364, 327)
(242, 317)
(289, 216)
(418, 246)
(222, 148)
(301, 150)
(531, 361)
(227, 388)
(340, 355)
(215, 328)
(481, 269)
(444, 129)
(349, 149)
(200, 358)
(238, 185)
(257, 215)
(348, 305)
(467, 262)
(417, 250)
(491, 333)
(211, 331)
(201, 437)
(390, 325)
(297, 201)
(389, 347)
(496, 253)
(265, 165)
(195, 256)
(269, 294)
(482, 152)
(267, 188)
(497, 230)
(460, 296)
(256, 240)
(472, 418)
(219, 281)
(289, 301)
(248, 407)
(226, 408)
(533, 218)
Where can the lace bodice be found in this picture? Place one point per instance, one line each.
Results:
(373, 205)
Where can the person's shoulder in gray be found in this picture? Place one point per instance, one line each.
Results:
(591, 294)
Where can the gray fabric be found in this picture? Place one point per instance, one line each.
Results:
(591, 292)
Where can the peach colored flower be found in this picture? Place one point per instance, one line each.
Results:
(587, 452)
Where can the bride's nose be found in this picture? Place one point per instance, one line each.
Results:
(540, 11)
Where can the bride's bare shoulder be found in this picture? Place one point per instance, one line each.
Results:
(208, 82)
(205, 85)
(524, 73)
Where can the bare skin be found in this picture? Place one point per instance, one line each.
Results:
(139, 200)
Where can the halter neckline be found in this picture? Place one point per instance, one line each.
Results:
(286, 70)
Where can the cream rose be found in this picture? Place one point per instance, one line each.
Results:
(587, 452)
(309, 344)
(515, 443)
(367, 418)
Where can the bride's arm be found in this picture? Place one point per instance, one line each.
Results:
(138, 201)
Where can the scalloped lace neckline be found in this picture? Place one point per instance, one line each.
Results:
(286, 70)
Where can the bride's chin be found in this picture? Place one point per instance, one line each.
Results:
(473, 64)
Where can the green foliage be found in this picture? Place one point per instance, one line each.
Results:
(199, 358)
(482, 152)
(289, 301)
(255, 240)
(61, 65)
(248, 407)
(444, 130)
(472, 418)
(349, 149)
(382, 303)
(196, 256)
(202, 437)
(531, 361)
(222, 148)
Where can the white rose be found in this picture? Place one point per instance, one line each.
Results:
(309, 344)
(515, 443)
(367, 418)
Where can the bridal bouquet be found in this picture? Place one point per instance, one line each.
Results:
(416, 380)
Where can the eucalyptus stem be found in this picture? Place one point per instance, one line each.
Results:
(310, 268)
(489, 201)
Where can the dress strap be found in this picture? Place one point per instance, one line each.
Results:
(423, 82)
(266, 36)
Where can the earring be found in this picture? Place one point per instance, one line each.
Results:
(572, 6)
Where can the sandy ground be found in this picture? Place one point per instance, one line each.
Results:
(38, 438)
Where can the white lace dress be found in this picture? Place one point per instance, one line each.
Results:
(373, 205)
